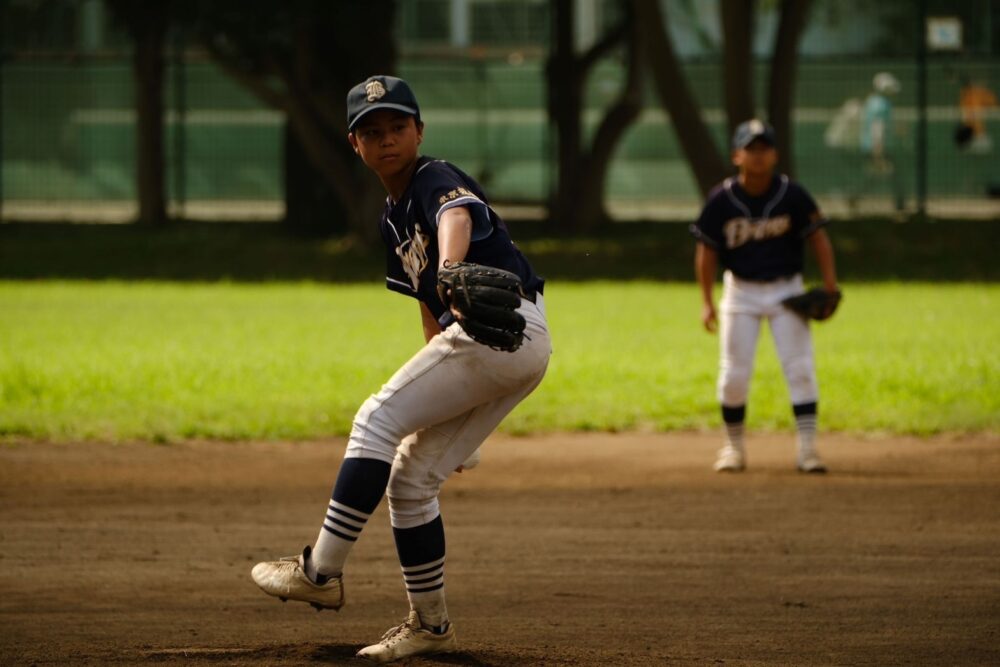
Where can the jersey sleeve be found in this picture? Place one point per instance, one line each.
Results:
(440, 188)
(707, 228)
(807, 217)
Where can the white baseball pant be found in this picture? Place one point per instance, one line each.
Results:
(743, 306)
(440, 406)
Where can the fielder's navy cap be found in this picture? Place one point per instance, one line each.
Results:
(751, 130)
(380, 92)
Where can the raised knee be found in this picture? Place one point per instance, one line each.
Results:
(373, 432)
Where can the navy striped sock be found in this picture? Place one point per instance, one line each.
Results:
(421, 557)
(359, 489)
(734, 418)
(806, 415)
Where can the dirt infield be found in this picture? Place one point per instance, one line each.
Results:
(562, 550)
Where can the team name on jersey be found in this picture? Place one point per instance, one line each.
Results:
(455, 194)
(413, 254)
(739, 231)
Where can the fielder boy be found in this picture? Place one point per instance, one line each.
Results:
(756, 225)
(435, 412)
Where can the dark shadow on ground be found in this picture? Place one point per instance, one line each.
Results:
(877, 250)
(331, 654)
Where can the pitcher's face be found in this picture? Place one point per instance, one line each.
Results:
(387, 141)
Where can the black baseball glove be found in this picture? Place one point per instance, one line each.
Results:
(816, 304)
(486, 299)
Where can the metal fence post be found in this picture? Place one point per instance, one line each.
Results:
(180, 124)
(3, 61)
(921, 156)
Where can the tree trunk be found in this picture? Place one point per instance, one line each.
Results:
(148, 72)
(693, 135)
(593, 211)
(565, 102)
(781, 88)
(578, 203)
(327, 33)
(302, 60)
(737, 60)
(311, 206)
(363, 218)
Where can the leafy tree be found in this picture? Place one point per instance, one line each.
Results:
(736, 17)
(578, 201)
(301, 57)
(676, 96)
(147, 25)
(781, 83)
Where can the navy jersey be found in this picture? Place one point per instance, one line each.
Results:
(759, 238)
(409, 229)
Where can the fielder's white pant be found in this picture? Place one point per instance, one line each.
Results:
(439, 408)
(744, 304)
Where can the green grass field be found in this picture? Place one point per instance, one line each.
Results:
(167, 361)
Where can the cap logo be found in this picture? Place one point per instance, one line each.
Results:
(756, 127)
(375, 90)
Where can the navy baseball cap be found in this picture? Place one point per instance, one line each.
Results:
(380, 92)
(751, 130)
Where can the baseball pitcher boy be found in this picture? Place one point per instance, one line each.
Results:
(449, 250)
(756, 225)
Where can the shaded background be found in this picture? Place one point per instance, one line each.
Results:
(68, 146)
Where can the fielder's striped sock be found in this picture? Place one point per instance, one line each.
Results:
(734, 418)
(421, 557)
(360, 486)
(805, 422)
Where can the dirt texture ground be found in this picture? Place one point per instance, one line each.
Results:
(562, 550)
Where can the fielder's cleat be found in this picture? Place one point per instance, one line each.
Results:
(811, 463)
(286, 580)
(730, 459)
(410, 638)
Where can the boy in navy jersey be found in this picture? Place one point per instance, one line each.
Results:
(756, 226)
(430, 418)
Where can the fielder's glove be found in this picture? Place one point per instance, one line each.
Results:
(816, 304)
(486, 299)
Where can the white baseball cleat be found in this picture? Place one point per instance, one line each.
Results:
(408, 639)
(286, 579)
(731, 459)
(811, 462)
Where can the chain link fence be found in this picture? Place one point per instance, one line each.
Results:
(67, 135)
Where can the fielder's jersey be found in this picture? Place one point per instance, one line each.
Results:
(409, 229)
(759, 238)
